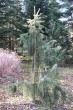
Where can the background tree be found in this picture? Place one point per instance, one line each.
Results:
(54, 27)
(29, 6)
(69, 24)
(11, 20)
(51, 12)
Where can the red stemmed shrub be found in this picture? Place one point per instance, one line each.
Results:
(10, 64)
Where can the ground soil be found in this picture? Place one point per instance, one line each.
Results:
(18, 102)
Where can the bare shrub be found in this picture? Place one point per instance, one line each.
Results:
(10, 64)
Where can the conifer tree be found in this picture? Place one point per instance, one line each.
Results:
(32, 41)
(11, 20)
(45, 54)
(68, 6)
(50, 9)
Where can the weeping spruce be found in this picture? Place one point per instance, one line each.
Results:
(35, 68)
(45, 53)
(31, 43)
(35, 28)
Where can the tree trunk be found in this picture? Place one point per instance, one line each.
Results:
(9, 42)
(35, 68)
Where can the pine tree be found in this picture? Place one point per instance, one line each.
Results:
(11, 20)
(29, 5)
(32, 41)
(67, 5)
(45, 54)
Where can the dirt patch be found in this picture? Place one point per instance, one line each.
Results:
(8, 102)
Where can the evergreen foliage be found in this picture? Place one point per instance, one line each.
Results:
(46, 53)
(11, 19)
(29, 4)
(68, 5)
(54, 28)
